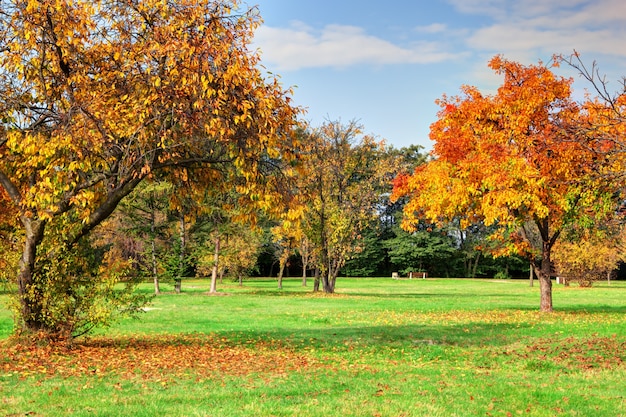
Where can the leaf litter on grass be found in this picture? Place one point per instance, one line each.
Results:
(151, 358)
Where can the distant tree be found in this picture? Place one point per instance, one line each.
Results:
(370, 256)
(343, 175)
(432, 251)
(591, 255)
(144, 216)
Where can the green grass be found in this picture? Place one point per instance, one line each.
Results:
(379, 347)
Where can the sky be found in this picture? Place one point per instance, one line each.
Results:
(383, 64)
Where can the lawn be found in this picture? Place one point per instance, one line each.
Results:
(379, 347)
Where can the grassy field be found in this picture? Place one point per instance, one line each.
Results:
(379, 347)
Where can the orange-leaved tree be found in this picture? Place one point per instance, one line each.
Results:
(510, 160)
(96, 96)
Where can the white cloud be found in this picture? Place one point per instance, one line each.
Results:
(338, 46)
(546, 27)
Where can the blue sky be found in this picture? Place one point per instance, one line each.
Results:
(385, 63)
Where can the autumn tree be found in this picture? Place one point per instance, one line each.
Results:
(511, 160)
(96, 96)
(590, 255)
(344, 173)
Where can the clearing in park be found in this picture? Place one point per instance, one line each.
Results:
(379, 347)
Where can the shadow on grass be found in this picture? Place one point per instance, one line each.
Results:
(578, 309)
(370, 337)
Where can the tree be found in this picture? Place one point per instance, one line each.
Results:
(284, 235)
(590, 256)
(97, 96)
(240, 251)
(343, 175)
(425, 250)
(144, 217)
(511, 160)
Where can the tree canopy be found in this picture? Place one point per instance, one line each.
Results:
(513, 160)
(96, 96)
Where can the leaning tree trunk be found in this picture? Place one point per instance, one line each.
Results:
(31, 297)
(304, 275)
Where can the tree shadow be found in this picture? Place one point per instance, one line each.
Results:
(402, 336)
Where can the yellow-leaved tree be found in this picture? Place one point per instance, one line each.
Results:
(96, 96)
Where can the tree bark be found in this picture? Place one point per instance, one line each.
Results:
(475, 265)
(545, 283)
(281, 270)
(216, 258)
(316, 280)
(155, 275)
(182, 255)
(29, 294)
(532, 275)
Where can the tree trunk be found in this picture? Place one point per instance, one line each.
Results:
(545, 283)
(304, 275)
(182, 256)
(329, 282)
(216, 258)
(29, 295)
(281, 270)
(531, 275)
(155, 276)
(316, 280)
(475, 265)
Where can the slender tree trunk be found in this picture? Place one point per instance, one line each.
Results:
(182, 255)
(216, 258)
(304, 268)
(475, 265)
(316, 280)
(29, 295)
(532, 275)
(281, 270)
(155, 276)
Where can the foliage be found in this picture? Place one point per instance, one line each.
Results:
(511, 160)
(142, 220)
(96, 96)
(431, 251)
(371, 258)
(590, 257)
(80, 290)
(239, 249)
(344, 175)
